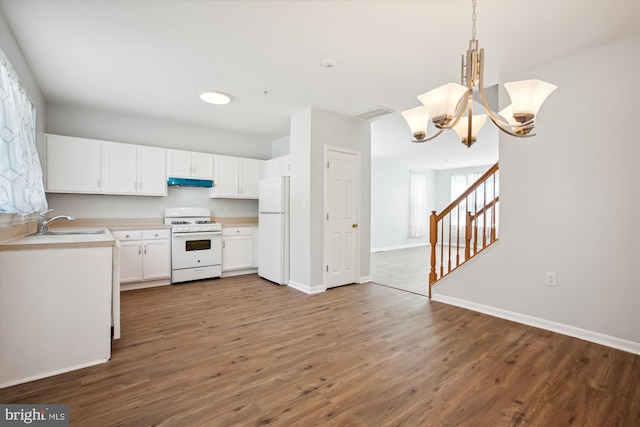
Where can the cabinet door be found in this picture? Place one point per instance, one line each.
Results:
(237, 252)
(119, 163)
(130, 261)
(272, 168)
(250, 178)
(179, 165)
(156, 259)
(285, 165)
(225, 173)
(73, 165)
(152, 179)
(202, 165)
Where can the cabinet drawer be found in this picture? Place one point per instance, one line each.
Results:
(156, 234)
(124, 235)
(237, 231)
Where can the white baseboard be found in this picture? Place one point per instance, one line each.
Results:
(572, 331)
(365, 279)
(393, 248)
(310, 290)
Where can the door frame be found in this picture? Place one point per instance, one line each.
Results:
(358, 198)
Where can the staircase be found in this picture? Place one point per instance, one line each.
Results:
(464, 228)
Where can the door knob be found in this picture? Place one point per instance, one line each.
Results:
(354, 225)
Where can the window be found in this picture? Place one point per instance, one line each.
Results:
(21, 187)
(461, 182)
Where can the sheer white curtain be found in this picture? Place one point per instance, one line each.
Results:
(21, 187)
(459, 183)
(418, 205)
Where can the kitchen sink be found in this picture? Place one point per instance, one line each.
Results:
(66, 232)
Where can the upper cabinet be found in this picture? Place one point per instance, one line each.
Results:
(278, 166)
(74, 165)
(187, 164)
(235, 177)
(79, 165)
(133, 169)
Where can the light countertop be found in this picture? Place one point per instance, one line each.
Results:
(56, 241)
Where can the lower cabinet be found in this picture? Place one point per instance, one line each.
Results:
(145, 255)
(239, 254)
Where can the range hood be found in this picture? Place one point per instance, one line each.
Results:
(189, 182)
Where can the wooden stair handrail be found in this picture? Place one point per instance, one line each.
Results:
(471, 228)
(467, 192)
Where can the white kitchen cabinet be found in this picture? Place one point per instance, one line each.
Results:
(74, 165)
(156, 254)
(189, 164)
(237, 248)
(278, 166)
(272, 167)
(145, 255)
(235, 177)
(133, 169)
(284, 162)
(55, 311)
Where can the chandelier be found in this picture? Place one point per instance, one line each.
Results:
(447, 105)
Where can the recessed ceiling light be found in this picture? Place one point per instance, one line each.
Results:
(217, 98)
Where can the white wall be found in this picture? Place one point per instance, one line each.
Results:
(78, 122)
(281, 147)
(116, 127)
(390, 201)
(311, 130)
(570, 204)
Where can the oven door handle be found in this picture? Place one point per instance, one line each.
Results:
(198, 233)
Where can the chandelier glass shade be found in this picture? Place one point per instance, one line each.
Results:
(451, 106)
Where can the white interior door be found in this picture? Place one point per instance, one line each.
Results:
(341, 217)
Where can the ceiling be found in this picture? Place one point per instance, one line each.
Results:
(154, 58)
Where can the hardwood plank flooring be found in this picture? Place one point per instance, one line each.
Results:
(241, 351)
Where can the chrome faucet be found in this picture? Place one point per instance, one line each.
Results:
(43, 223)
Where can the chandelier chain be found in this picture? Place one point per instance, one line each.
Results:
(473, 19)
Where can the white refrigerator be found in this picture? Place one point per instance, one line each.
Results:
(273, 229)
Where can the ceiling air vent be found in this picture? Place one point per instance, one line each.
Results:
(373, 113)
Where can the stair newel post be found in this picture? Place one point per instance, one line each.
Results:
(433, 239)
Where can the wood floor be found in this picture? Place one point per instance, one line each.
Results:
(241, 351)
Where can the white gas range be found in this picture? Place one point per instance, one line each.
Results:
(196, 244)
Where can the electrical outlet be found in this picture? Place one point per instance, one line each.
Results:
(226, 209)
(551, 279)
(122, 208)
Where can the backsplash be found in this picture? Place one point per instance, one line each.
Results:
(12, 226)
(113, 206)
